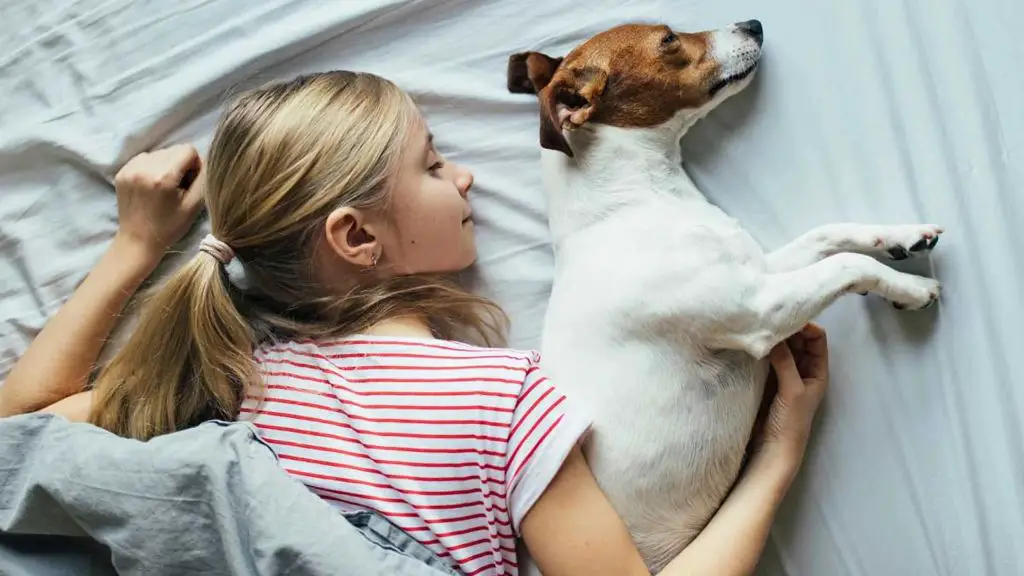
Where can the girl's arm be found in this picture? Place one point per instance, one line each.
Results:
(153, 213)
(573, 529)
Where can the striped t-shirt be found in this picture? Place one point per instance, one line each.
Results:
(451, 442)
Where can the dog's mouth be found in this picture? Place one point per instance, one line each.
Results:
(732, 79)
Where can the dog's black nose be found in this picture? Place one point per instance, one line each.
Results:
(753, 27)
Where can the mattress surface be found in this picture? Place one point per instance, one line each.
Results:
(874, 111)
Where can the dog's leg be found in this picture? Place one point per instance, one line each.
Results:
(894, 242)
(781, 304)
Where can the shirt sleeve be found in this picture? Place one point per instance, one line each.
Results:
(545, 427)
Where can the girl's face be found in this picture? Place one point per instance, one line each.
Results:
(430, 222)
(426, 226)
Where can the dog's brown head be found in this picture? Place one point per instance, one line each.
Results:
(635, 75)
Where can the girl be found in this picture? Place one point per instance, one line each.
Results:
(315, 309)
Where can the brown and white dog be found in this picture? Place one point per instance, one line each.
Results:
(663, 308)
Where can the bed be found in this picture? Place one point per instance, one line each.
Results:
(884, 111)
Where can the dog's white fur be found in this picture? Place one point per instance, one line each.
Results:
(664, 310)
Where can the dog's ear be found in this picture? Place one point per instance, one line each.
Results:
(530, 72)
(567, 104)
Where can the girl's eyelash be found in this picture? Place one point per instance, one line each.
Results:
(436, 166)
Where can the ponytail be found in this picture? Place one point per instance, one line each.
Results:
(189, 359)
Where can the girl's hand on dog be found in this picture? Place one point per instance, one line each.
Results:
(800, 380)
(158, 196)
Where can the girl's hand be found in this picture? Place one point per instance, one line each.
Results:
(801, 376)
(158, 196)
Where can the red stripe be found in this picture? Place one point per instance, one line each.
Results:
(414, 449)
(381, 434)
(475, 464)
(353, 355)
(482, 569)
(332, 370)
(484, 528)
(347, 466)
(474, 354)
(335, 410)
(309, 391)
(477, 516)
(508, 561)
(513, 560)
(361, 499)
(376, 380)
(481, 490)
(453, 520)
(529, 433)
(387, 367)
(436, 345)
(526, 416)
(277, 373)
(357, 500)
(440, 393)
(477, 557)
(448, 552)
(369, 497)
(540, 441)
(348, 403)
(466, 545)
(504, 548)
(337, 370)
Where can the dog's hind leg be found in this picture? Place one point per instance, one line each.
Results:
(782, 303)
(895, 242)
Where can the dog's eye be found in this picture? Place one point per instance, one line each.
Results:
(669, 38)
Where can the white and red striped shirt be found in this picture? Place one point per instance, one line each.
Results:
(451, 442)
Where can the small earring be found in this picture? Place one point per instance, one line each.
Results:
(373, 260)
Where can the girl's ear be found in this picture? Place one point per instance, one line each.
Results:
(351, 238)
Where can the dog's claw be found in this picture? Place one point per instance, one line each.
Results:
(899, 253)
(908, 241)
(932, 299)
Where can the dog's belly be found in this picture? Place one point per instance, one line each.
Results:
(671, 420)
(668, 438)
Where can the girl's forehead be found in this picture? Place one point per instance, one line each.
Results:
(419, 123)
(418, 133)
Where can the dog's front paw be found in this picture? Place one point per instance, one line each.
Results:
(912, 292)
(909, 240)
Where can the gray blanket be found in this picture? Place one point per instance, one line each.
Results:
(75, 499)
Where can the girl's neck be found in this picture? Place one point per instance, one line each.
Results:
(403, 327)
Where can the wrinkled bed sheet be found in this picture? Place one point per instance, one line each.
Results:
(884, 111)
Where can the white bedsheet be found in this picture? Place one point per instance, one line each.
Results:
(877, 111)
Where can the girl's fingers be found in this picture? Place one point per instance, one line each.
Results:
(785, 370)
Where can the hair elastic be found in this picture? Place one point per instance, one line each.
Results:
(219, 250)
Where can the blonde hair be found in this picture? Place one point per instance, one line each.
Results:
(282, 159)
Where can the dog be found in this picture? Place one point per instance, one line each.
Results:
(663, 309)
